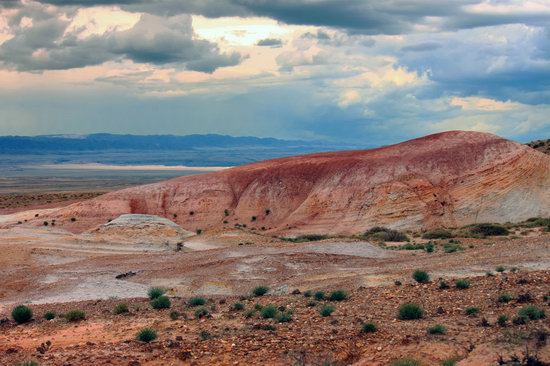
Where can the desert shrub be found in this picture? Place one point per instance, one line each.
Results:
(410, 311)
(121, 309)
(443, 285)
(500, 269)
(531, 312)
(420, 276)
(536, 222)
(462, 284)
(204, 335)
(250, 313)
(146, 335)
(520, 320)
(471, 311)
(326, 310)
(451, 247)
(308, 293)
(75, 315)
(525, 297)
(49, 315)
(238, 306)
(27, 363)
(369, 328)
(385, 234)
(197, 301)
(284, 317)
(429, 247)
(405, 362)
(306, 238)
(338, 295)
(258, 307)
(505, 297)
(488, 230)
(437, 329)
(201, 312)
(260, 290)
(450, 361)
(269, 311)
(319, 295)
(437, 234)
(311, 303)
(502, 320)
(161, 302)
(174, 315)
(155, 292)
(408, 246)
(253, 218)
(21, 314)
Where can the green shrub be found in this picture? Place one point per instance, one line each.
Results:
(462, 284)
(269, 311)
(451, 247)
(385, 234)
(308, 293)
(437, 329)
(155, 292)
(284, 317)
(531, 312)
(320, 295)
(250, 313)
(21, 314)
(500, 269)
(174, 315)
(75, 315)
(429, 247)
(536, 222)
(420, 276)
(488, 230)
(338, 295)
(520, 320)
(27, 363)
(369, 328)
(204, 335)
(161, 302)
(311, 303)
(405, 362)
(502, 320)
(443, 285)
(505, 297)
(410, 311)
(437, 234)
(450, 361)
(305, 238)
(197, 301)
(201, 312)
(260, 291)
(146, 335)
(49, 315)
(121, 309)
(326, 310)
(258, 306)
(471, 311)
(238, 306)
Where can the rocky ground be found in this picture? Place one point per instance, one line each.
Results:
(13, 202)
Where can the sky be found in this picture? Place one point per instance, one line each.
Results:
(336, 70)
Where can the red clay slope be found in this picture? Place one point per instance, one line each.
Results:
(447, 179)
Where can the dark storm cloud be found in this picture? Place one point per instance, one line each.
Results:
(356, 16)
(152, 40)
(270, 42)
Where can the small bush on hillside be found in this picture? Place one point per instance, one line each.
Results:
(505, 297)
(269, 312)
(27, 363)
(174, 315)
(451, 247)
(121, 309)
(326, 310)
(437, 329)
(443, 285)
(410, 311)
(161, 302)
(260, 291)
(385, 234)
(502, 320)
(525, 297)
(488, 230)
(146, 335)
(250, 313)
(197, 301)
(429, 247)
(49, 315)
(450, 361)
(311, 303)
(21, 314)
(238, 306)
(531, 312)
(308, 293)
(536, 222)
(284, 317)
(500, 269)
(155, 292)
(462, 284)
(437, 234)
(306, 238)
(320, 295)
(405, 362)
(471, 311)
(420, 276)
(75, 315)
(369, 328)
(201, 312)
(520, 320)
(338, 295)
(204, 335)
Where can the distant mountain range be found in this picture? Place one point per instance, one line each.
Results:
(104, 141)
(540, 145)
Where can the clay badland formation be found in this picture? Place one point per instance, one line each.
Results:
(449, 179)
